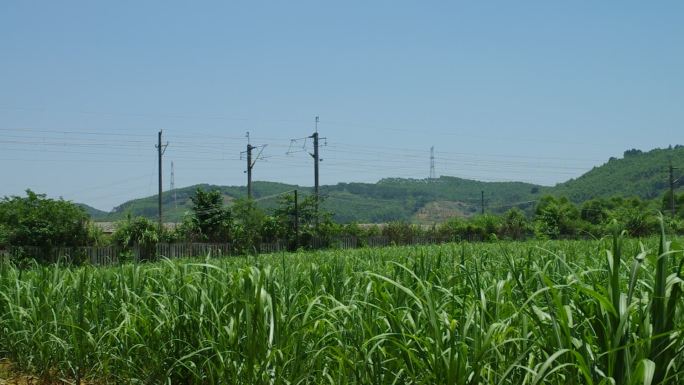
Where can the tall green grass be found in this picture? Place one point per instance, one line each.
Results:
(565, 312)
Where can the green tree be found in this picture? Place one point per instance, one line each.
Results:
(311, 224)
(488, 224)
(636, 217)
(514, 224)
(138, 232)
(666, 206)
(596, 211)
(248, 225)
(35, 220)
(211, 221)
(400, 232)
(556, 217)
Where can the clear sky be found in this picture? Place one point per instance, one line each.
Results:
(538, 91)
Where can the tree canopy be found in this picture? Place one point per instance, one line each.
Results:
(36, 220)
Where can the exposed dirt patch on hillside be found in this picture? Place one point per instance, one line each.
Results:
(440, 211)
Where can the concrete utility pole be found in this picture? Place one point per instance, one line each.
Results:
(250, 163)
(317, 160)
(249, 170)
(673, 210)
(482, 201)
(296, 219)
(160, 152)
(315, 155)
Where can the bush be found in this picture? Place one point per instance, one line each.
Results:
(556, 218)
(137, 232)
(400, 233)
(35, 220)
(514, 225)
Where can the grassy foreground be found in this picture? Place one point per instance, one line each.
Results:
(567, 312)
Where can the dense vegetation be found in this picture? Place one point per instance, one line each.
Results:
(388, 200)
(37, 220)
(638, 174)
(571, 312)
(50, 225)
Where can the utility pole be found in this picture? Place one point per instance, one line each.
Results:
(316, 161)
(673, 210)
(250, 163)
(296, 220)
(482, 201)
(160, 152)
(249, 170)
(432, 162)
(294, 143)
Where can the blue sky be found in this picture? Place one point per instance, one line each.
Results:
(536, 91)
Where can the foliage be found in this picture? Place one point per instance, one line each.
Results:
(389, 200)
(35, 220)
(137, 232)
(640, 174)
(490, 225)
(300, 227)
(400, 233)
(638, 221)
(211, 221)
(556, 218)
(666, 206)
(570, 312)
(250, 225)
(515, 225)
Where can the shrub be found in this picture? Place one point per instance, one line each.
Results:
(137, 232)
(47, 223)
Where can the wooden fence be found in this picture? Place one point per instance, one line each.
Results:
(180, 250)
(96, 255)
(107, 255)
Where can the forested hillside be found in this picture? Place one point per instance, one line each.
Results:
(387, 200)
(640, 174)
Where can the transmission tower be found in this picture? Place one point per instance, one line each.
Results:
(173, 187)
(432, 163)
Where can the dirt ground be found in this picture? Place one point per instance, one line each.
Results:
(8, 376)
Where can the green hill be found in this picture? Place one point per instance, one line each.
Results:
(394, 199)
(92, 211)
(388, 200)
(642, 174)
(177, 202)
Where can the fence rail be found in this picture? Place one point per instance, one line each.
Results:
(180, 250)
(108, 255)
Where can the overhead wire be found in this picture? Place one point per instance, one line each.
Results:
(368, 159)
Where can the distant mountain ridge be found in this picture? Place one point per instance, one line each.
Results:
(642, 174)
